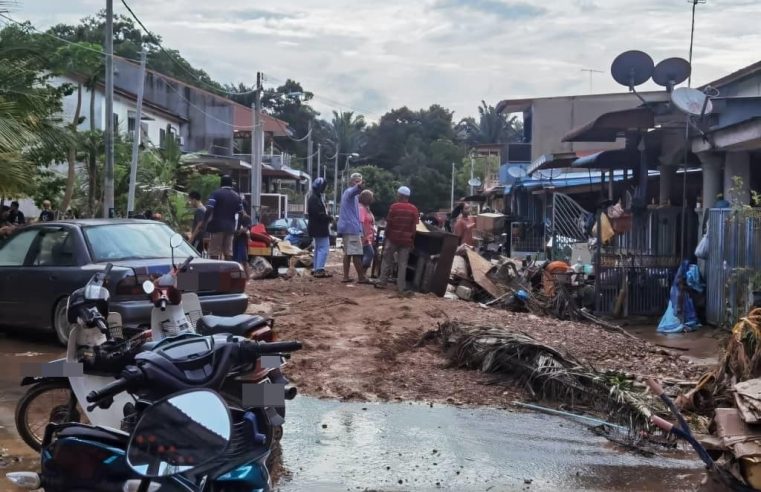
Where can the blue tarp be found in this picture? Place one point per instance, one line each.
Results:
(680, 315)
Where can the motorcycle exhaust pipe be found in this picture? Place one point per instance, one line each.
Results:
(290, 392)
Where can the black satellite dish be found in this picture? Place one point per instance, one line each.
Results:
(632, 68)
(671, 72)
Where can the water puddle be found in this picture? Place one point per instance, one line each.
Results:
(332, 446)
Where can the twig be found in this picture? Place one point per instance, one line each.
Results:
(604, 324)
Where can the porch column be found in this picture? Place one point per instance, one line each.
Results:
(712, 177)
(665, 184)
(737, 178)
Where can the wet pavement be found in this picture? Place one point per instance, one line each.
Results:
(332, 446)
(701, 347)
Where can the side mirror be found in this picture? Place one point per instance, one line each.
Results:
(156, 448)
(148, 287)
(176, 240)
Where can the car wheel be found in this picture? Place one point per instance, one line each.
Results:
(61, 323)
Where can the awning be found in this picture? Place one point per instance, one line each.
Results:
(610, 159)
(552, 161)
(221, 163)
(611, 126)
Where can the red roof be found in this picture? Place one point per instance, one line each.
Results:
(243, 121)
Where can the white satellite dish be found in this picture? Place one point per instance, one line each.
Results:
(691, 101)
(517, 172)
(475, 182)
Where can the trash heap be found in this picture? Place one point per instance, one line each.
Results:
(730, 394)
(556, 289)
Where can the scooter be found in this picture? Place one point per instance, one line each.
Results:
(209, 454)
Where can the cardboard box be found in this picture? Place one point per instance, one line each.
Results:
(490, 223)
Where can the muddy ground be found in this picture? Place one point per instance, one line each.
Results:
(360, 343)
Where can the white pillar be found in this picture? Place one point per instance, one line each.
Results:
(665, 184)
(737, 178)
(713, 183)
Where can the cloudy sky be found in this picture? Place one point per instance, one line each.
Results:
(372, 55)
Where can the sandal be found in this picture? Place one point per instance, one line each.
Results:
(347, 280)
(364, 281)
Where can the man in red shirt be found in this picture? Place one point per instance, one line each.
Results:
(401, 224)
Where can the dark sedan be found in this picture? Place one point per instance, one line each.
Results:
(41, 264)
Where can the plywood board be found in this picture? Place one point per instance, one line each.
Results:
(479, 267)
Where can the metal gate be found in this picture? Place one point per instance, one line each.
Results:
(566, 226)
(734, 262)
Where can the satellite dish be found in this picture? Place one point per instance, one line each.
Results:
(691, 101)
(517, 172)
(632, 68)
(475, 182)
(671, 72)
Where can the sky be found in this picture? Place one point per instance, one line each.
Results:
(370, 56)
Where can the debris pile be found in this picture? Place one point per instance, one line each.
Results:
(555, 289)
(545, 371)
(731, 395)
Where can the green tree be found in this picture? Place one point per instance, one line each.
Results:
(492, 127)
(347, 132)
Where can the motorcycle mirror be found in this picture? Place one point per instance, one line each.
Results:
(148, 287)
(176, 240)
(157, 450)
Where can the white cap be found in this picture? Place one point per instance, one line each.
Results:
(404, 191)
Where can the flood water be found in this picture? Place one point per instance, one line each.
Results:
(330, 446)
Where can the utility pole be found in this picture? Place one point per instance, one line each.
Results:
(136, 138)
(108, 185)
(451, 198)
(310, 147)
(692, 35)
(256, 150)
(591, 73)
(472, 163)
(319, 150)
(335, 183)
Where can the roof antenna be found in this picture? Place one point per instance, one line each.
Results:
(692, 33)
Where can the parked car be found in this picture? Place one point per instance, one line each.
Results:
(294, 227)
(41, 264)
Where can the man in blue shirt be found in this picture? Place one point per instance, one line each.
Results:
(350, 229)
(219, 222)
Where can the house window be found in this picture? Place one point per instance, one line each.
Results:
(162, 138)
(116, 123)
(131, 125)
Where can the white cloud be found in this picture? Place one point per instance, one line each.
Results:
(372, 56)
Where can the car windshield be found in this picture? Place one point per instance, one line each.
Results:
(114, 242)
(279, 224)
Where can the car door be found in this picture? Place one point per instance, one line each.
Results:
(52, 268)
(14, 291)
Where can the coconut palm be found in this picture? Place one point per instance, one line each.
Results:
(492, 127)
(348, 131)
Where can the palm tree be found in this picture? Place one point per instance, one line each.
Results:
(348, 131)
(492, 127)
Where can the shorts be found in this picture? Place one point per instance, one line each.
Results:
(352, 244)
(221, 244)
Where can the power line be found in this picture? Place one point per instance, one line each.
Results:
(177, 62)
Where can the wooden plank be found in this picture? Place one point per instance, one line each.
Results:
(479, 266)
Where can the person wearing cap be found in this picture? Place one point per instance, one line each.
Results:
(401, 224)
(350, 229)
(318, 227)
(219, 222)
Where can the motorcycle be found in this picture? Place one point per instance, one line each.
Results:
(97, 352)
(218, 450)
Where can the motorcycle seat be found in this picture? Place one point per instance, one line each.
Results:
(105, 436)
(234, 325)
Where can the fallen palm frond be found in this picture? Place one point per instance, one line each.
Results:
(546, 372)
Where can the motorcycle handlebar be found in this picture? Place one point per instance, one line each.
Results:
(256, 349)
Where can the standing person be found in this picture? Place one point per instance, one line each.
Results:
(199, 213)
(350, 229)
(219, 222)
(464, 226)
(242, 235)
(16, 216)
(47, 214)
(401, 224)
(366, 199)
(319, 227)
